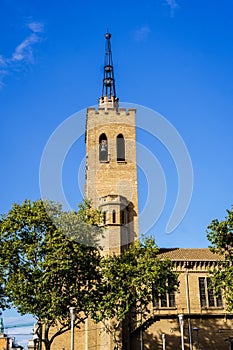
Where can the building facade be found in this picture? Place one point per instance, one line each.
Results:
(193, 318)
(111, 185)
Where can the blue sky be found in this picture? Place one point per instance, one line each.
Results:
(174, 57)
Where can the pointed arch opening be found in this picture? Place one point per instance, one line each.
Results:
(103, 148)
(120, 148)
(114, 216)
(104, 217)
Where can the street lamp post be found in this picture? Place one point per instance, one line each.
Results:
(196, 329)
(181, 321)
(72, 319)
(164, 341)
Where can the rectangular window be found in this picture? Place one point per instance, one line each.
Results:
(164, 300)
(155, 302)
(210, 293)
(171, 298)
(207, 295)
(219, 299)
(202, 291)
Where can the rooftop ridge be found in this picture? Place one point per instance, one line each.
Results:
(189, 254)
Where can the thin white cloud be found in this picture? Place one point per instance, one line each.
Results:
(142, 33)
(3, 70)
(2, 61)
(36, 27)
(24, 50)
(23, 53)
(173, 6)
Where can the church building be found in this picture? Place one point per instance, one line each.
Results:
(193, 318)
(111, 167)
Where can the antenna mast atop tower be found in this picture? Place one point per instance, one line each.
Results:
(108, 98)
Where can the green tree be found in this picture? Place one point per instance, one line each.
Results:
(127, 285)
(45, 268)
(220, 235)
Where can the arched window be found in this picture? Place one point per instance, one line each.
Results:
(103, 148)
(120, 148)
(113, 216)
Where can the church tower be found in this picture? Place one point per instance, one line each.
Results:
(111, 167)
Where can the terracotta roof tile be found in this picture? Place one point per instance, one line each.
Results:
(189, 254)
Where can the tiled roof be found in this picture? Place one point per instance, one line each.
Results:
(189, 254)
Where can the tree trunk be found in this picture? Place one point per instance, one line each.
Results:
(45, 339)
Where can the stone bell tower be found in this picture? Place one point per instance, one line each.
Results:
(111, 168)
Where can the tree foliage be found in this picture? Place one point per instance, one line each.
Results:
(127, 284)
(220, 235)
(45, 270)
(50, 261)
